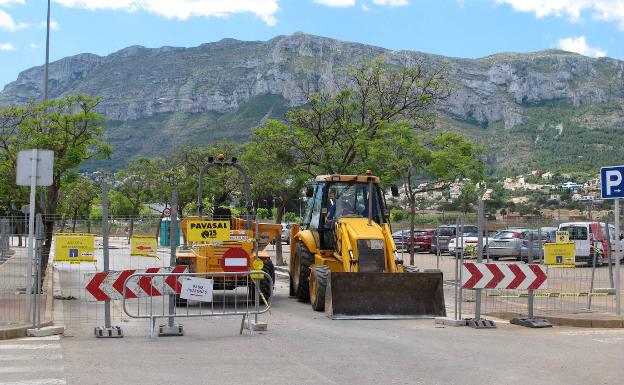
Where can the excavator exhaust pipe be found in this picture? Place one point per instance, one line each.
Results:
(384, 295)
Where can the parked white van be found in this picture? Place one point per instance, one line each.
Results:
(588, 238)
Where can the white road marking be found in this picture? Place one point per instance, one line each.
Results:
(612, 340)
(48, 338)
(592, 332)
(29, 347)
(29, 357)
(31, 369)
(32, 361)
(43, 381)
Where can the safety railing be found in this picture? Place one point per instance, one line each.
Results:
(231, 294)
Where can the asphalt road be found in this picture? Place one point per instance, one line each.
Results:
(305, 347)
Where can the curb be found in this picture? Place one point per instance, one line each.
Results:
(19, 331)
(604, 321)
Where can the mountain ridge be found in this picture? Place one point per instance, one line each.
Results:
(246, 81)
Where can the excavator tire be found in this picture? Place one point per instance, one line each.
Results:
(302, 261)
(318, 286)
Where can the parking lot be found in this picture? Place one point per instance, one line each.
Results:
(301, 346)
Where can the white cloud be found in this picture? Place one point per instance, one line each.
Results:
(33, 45)
(606, 10)
(7, 47)
(579, 45)
(351, 3)
(392, 3)
(336, 3)
(7, 2)
(8, 24)
(54, 26)
(184, 9)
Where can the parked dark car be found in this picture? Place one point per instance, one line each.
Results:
(401, 239)
(422, 239)
(443, 234)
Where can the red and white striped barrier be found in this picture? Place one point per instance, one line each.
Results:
(108, 285)
(504, 276)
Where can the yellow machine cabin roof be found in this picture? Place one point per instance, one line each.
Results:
(346, 178)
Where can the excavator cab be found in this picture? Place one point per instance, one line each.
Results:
(344, 260)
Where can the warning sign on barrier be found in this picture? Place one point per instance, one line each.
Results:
(143, 246)
(559, 254)
(562, 237)
(257, 265)
(74, 247)
(197, 289)
(208, 231)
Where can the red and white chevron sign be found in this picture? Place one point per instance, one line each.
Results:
(108, 285)
(504, 276)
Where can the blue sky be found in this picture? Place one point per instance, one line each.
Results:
(461, 28)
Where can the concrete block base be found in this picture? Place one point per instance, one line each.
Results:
(170, 331)
(113, 332)
(450, 322)
(46, 331)
(257, 326)
(481, 323)
(535, 323)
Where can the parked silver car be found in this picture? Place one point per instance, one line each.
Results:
(507, 243)
(443, 234)
(286, 233)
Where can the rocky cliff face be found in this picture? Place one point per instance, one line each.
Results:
(220, 77)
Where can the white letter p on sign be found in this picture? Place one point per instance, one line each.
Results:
(614, 178)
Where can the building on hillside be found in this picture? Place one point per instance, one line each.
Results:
(555, 197)
(547, 176)
(571, 186)
(563, 215)
(520, 200)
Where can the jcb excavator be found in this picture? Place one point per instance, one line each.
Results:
(344, 260)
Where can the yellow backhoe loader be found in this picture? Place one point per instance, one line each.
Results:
(344, 260)
(245, 235)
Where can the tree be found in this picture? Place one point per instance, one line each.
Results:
(76, 198)
(425, 162)
(467, 198)
(136, 186)
(335, 132)
(70, 127)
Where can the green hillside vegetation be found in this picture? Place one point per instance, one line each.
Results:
(161, 133)
(556, 137)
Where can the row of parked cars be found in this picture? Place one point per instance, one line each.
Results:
(588, 237)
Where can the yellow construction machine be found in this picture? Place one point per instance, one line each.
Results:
(344, 260)
(246, 238)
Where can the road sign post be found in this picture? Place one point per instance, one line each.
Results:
(618, 257)
(34, 168)
(108, 331)
(171, 329)
(612, 187)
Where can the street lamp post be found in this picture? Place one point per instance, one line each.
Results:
(47, 58)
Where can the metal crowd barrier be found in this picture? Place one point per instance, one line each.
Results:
(232, 295)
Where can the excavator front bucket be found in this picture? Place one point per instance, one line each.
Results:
(384, 295)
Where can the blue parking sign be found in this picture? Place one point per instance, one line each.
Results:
(612, 182)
